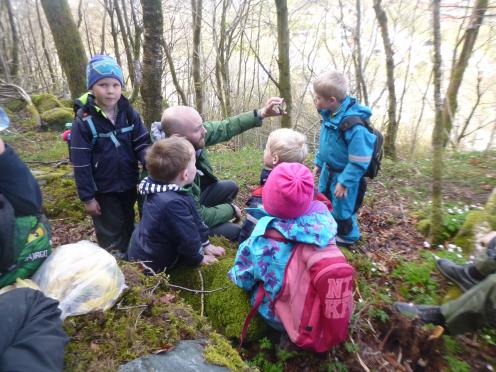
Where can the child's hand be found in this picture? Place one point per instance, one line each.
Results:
(207, 260)
(316, 171)
(340, 191)
(92, 208)
(213, 250)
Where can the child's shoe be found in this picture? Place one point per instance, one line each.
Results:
(462, 275)
(426, 313)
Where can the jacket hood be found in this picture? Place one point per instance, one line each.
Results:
(316, 226)
(349, 107)
(149, 186)
(156, 131)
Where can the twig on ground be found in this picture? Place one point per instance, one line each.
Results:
(146, 267)
(196, 290)
(384, 340)
(202, 295)
(119, 307)
(360, 360)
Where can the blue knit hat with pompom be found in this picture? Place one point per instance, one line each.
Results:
(102, 66)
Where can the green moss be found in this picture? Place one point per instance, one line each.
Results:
(220, 352)
(227, 308)
(45, 102)
(60, 199)
(424, 226)
(15, 105)
(145, 320)
(69, 103)
(57, 118)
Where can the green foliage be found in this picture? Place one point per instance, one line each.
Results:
(57, 118)
(45, 102)
(336, 366)
(417, 284)
(453, 348)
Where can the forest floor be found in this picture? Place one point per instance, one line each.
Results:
(393, 262)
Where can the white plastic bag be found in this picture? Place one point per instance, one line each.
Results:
(83, 277)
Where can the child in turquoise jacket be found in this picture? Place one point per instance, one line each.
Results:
(289, 208)
(343, 156)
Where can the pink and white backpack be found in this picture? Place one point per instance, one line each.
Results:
(315, 302)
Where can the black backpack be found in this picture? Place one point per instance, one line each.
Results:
(8, 256)
(375, 161)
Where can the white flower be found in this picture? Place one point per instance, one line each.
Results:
(459, 255)
(373, 269)
(450, 211)
(451, 246)
(427, 245)
(440, 246)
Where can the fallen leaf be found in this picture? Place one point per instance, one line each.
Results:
(436, 333)
(167, 298)
(164, 349)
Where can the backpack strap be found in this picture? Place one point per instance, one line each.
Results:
(259, 296)
(7, 226)
(112, 134)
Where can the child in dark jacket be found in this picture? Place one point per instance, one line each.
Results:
(108, 138)
(283, 146)
(171, 230)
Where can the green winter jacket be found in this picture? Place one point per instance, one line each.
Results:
(217, 132)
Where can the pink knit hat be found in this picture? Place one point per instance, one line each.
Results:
(288, 191)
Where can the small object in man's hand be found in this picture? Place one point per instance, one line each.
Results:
(280, 108)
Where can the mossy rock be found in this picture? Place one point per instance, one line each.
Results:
(474, 220)
(56, 118)
(60, 199)
(148, 318)
(45, 102)
(68, 103)
(24, 117)
(424, 226)
(226, 308)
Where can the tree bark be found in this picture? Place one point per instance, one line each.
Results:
(14, 65)
(113, 30)
(437, 134)
(125, 40)
(450, 104)
(151, 89)
(392, 127)
(283, 60)
(45, 49)
(362, 86)
(172, 69)
(196, 6)
(68, 42)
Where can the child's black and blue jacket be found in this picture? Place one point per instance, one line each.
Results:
(108, 163)
(170, 230)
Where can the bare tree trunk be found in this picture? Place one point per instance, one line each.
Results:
(437, 134)
(34, 49)
(392, 127)
(172, 69)
(125, 40)
(196, 6)
(138, 30)
(68, 42)
(45, 49)
(113, 30)
(89, 37)
(491, 137)
(450, 104)
(103, 33)
(362, 86)
(283, 60)
(4, 66)
(14, 65)
(151, 89)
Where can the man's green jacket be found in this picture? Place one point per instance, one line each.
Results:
(217, 132)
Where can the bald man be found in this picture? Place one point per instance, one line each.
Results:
(214, 198)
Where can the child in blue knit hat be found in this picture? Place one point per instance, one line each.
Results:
(108, 139)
